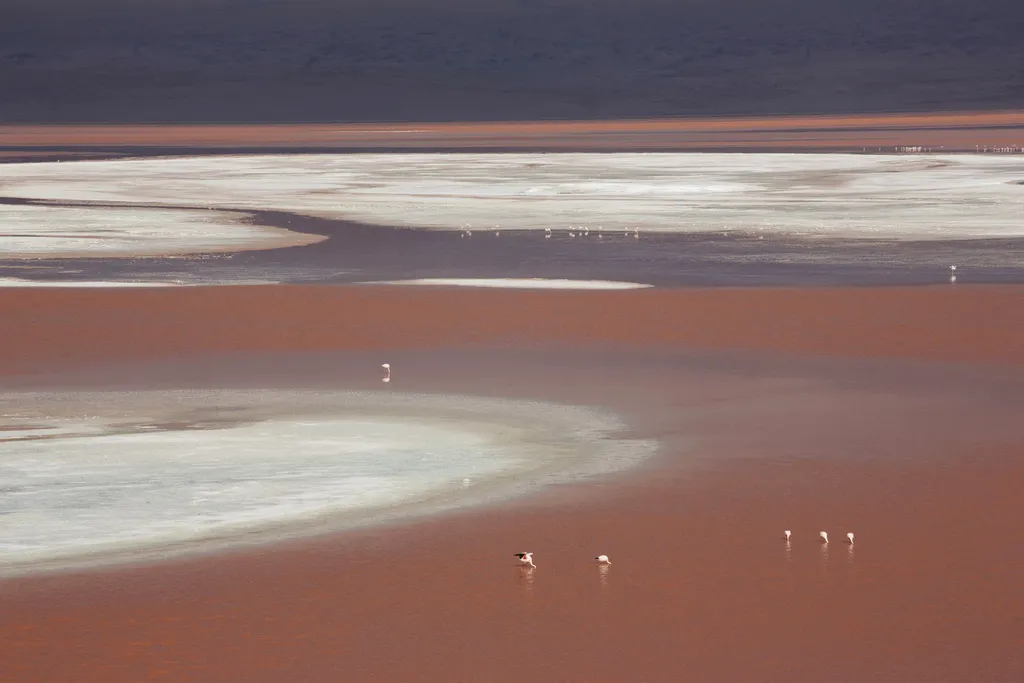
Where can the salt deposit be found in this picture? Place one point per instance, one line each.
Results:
(21, 282)
(105, 475)
(40, 231)
(517, 283)
(837, 195)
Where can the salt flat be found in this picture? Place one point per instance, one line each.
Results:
(32, 231)
(20, 282)
(91, 475)
(907, 197)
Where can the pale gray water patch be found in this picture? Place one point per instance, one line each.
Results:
(115, 474)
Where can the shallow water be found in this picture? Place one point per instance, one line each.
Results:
(703, 219)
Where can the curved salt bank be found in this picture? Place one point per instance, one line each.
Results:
(516, 283)
(85, 284)
(165, 472)
(94, 231)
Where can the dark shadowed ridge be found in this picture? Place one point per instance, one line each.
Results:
(405, 60)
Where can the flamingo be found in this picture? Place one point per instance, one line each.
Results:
(526, 559)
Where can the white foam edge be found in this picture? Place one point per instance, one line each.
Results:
(515, 283)
(84, 284)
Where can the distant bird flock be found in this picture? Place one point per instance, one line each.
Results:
(573, 231)
(823, 536)
(526, 559)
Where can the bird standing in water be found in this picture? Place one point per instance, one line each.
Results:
(526, 559)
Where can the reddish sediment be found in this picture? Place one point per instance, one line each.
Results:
(702, 585)
(45, 329)
(941, 131)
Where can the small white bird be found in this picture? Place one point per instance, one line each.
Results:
(387, 372)
(953, 268)
(603, 559)
(849, 537)
(526, 559)
(824, 536)
(788, 534)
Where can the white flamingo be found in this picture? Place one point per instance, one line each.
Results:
(788, 534)
(824, 536)
(603, 559)
(526, 559)
(849, 538)
(387, 371)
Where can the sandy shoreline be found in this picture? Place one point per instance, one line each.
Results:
(910, 391)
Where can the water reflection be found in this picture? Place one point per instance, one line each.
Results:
(824, 554)
(525, 580)
(789, 551)
(603, 571)
(849, 554)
